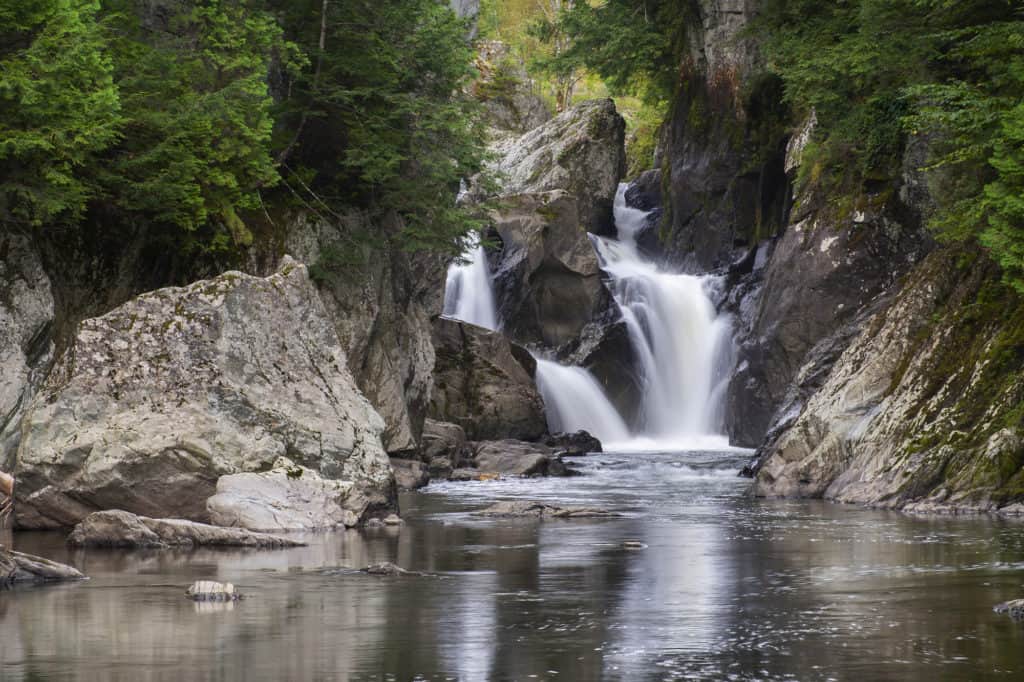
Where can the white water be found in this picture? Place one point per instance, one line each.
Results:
(574, 400)
(468, 293)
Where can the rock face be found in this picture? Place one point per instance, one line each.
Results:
(117, 528)
(558, 184)
(511, 105)
(382, 313)
(288, 497)
(157, 399)
(922, 410)
(26, 349)
(484, 384)
(16, 567)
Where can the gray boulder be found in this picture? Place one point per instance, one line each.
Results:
(156, 400)
(289, 497)
(485, 384)
(117, 528)
(16, 567)
(515, 458)
(573, 444)
(443, 440)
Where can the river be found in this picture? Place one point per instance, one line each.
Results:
(726, 588)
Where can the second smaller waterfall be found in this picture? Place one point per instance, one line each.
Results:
(574, 400)
(468, 295)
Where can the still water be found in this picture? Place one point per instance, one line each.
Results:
(727, 588)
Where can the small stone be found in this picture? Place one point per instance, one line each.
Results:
(209, 590)
(387, 568)
(633, 544)
(1013, 608)
(393, 520)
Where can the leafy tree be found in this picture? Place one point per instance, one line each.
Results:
(59, 107)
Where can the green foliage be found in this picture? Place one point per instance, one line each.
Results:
(59, 107)
(198, 125)
(381, 118)
(950, 72)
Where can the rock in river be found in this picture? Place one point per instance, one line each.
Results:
(540, 510)
(117, 528)
(156, 400)
(16, 567)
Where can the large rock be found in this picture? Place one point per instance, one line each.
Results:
(547, 282)
(558, 182)
(539, 510)
(410, 474)
(157, 399)
(922, 410)
(288, 497)
(16, 567)
(116, 528)
(26, 349)
(485, 384)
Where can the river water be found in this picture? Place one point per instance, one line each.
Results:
(727, 588)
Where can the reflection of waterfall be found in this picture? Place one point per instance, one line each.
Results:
(468, 294)
(682, 346)
(574, 400)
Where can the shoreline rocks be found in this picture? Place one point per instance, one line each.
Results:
(116, 528)
(156, 400)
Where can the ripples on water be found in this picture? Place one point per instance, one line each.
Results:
(727, 588)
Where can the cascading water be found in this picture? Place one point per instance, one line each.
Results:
(468, 293)
(683, 348)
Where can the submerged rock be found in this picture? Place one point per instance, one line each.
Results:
(542, 510)
(387, 569)
(117, 528)
(156, 400)
(1014, 609)
(484, 384)
(16, 568)
(286, 498)
(208, 590)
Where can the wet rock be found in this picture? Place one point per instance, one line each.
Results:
(573, 444)
(440, 468)
(288, 497)
(117, 528)
(208, 590)
(180, 386)
(392, 520)
(515, 458)
(465, 474)
(485, 384)
(387, 569)
(443, 442)
(1014, 609)
(518, 508)
(410, 474)
(633, 544)
(16, 568)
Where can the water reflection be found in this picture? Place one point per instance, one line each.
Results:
(727, 588)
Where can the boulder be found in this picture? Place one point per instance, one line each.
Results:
(156, 400)
(209, 590)
(443, 440)
(558, 182)
(547, 281)
(16, 567)
(410, 474)
(541, 510)
(116, 528)
(485, 384)
(573, 444)
(515, 458)
(26, 349)
(288, 497)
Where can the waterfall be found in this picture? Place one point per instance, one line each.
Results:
(468, 294)
(574, 400)
(683, 348)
